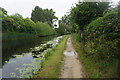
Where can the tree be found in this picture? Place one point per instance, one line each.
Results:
(3, 10)
(8, 24)
(49, 16)
(37, 14)
(63, 29)
(118, 7)
(16, 23)
(74, 28)
(65, 19)
(29, 26)
(45, 16)
(17, 14)
(85, 12)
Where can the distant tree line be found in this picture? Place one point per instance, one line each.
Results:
(40, 24)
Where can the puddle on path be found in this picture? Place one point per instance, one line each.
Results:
(69, 53)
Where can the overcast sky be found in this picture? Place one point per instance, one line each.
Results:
(25, 7)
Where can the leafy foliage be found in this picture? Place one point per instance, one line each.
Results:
(101, 36)
(103, 32)
(43, 29)
(107, 26)
(75, 28)
(45, 16)
(85, 12)
(16, 23)
(3, 10)
(66, 20)
(63, 29)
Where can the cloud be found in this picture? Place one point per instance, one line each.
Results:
(24, 7)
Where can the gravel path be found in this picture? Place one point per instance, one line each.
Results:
(72, 67)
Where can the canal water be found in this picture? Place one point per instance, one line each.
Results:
(22, 58)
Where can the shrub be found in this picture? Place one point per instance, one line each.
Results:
(104, 33)
(44, 29)
(107, 25)
(17, 24)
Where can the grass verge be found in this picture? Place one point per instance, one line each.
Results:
(52, 65)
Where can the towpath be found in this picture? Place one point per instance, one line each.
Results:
(72, 67)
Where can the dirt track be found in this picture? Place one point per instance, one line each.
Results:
(72, 67)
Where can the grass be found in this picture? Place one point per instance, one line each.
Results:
(52, 66)
(93, 66)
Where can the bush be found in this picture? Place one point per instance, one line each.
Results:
(43, 29)
(107, 26)
(104, 33)
(17, 24)
(29, 26)
(63, 29)
(101, 40)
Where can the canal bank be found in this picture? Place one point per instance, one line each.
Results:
(52, 65)
(26, 63)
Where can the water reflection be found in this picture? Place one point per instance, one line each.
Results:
(17, 47)
(22, 58)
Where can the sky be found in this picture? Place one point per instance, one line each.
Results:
(25, 7)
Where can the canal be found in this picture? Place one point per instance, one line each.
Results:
(22, 58)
